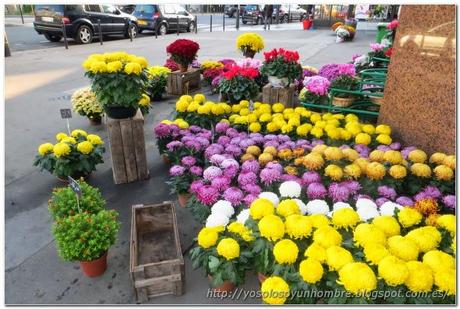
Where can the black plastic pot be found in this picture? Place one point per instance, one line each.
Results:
(120, 112)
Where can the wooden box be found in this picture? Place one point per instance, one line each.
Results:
(283, 95)
(127, 147)
(156, 261)
(179, 83)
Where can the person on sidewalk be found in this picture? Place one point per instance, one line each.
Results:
(268, 12)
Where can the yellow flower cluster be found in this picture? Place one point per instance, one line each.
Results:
(197, 104)
(145, 100)
(85, 103)
(209, 64)
(251, 41)
(158, 71)
(78, 140)
(116, 62)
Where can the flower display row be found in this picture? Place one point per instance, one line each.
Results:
(297, 250)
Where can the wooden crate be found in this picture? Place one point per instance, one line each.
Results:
(127, 148)
(156, 261)
(179, 83)
(283, 95)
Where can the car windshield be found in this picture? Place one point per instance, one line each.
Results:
(251, 7)
(50, 8)
(149, 9)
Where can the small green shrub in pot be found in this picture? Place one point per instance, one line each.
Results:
(345, 82)
(86, 238)
(63, 202)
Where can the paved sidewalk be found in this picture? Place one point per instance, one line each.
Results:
(39, 83)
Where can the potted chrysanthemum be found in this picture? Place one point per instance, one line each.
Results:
(76, 155)
(157, 81)
(344, 79)
(183, 52)
(250, 44)
(315, 89)
(85, 103)
(119, 80)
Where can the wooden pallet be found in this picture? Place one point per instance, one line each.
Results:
(179, 83)
(127, 147)
(283, 95)
(156, 261)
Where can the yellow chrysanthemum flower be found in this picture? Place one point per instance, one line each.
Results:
(438, 260)
(445, 280)
(357, 278)
(403, 247)
(94, 139)
(45, 148)
(389, 225)
(319, 220)
(311, 270)
(417, 156)
(145, 100)
(133, 68)
(251, 41)
(352, 171)
(427, 238)
(375, 170)
(287, 207)
(393, 270)
(420, 277)
(298, 226)
(61, 149)
(363, 138)
(383, 129)
(443, 172)
(421, 170)
(350, 154)
(393, 157)
(114, 66)
(376, 155)
(274, 290)
(447, 222)
(327, 236)
(285, 252)
(78, 132)
(271, 227)
(366, 233)
(85, 147)
(384, 139)
(228, 248)
(260, 208)
(398, 171)
(449, 161)
(60, 136)
(409, 217)
(375, 252)
(437, 157)
(207, 237)
(426, 206)
(317, 252)
(337, 257)
(313, 161)
(345, 218)
(335, 172)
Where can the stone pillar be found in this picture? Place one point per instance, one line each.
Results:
(419, 99)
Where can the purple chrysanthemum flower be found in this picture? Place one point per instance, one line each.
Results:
(395, 146)
(171, 146)
(252, 188)
(449, 201)
(222, 127)
(352, 185)
(231, 171)
(207, 134)
(236, 141)
(288, 177)
(195, 129)
(250, 166)
(257, 138)
(432, 192)
(188, 161)
(404, 201)
(248, 199)
(234, 150)
(195, 186)
(316, 142)
(338, 193)
(247, 178)
(176, 170)
(217, 159)
(212, 150)
(271, 143)
(302, 142)
(212, 172)
(245, 143)
(274, 165)
(383, 147)
(221, 182)
(311, 177)
(270, 137)
(204, 142)
(162, 130)
(380, 201)
(387, 192)
(270, 175)
(233, 195)
(406, 150)
(231, 132)
(193, 145)
(343, 147)
(283, 146)
(229, 162)
(223, 140)
(316, 190)
(196, 170)
(283, 138)
(422, 195)
(207, 194)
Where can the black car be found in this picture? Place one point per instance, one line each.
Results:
(231, 10)
(81, 21)
(163, 18)
(252, 14)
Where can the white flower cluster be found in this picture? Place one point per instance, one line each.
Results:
(221, 212)
(290, 189)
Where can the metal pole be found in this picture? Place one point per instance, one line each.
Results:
(130, 29)
(196, 24)
(210, 23)
(100, 30)
(7, 46)
(223, 22)
(20, 11)
(156, 30)
(177, 24)
(64, 34)
(238, 18)
(289, 14)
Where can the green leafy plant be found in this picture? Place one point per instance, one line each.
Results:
(157, 81)
(63, 202)
(345, 82)
(282, 64)
(76, 155)
(86, 236)
(239, 84)
(85, 103)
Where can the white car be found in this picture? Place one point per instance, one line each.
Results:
(295, 11)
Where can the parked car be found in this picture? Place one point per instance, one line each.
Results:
(295, 11)
(231, 10)
(81, 21)
(128, 8)
(253, 14)
(163, 18)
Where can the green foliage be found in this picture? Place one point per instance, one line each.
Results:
(157, 85)
(282, 69)
(238, 88)
(345, 82)
(118, 89)
(199, 211)
(180, 184)
(85, 236)
(63, 202)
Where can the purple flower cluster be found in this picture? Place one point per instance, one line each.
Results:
(332, 71)
(317, 84)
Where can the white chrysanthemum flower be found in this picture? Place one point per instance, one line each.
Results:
(272, 197)
(340, 205)
(223, 207)
(302, 206)
(366, 213)
(216, 219)
(290, 189)
(243, 216)
(317, 207)
(366, 203)
(388, 208)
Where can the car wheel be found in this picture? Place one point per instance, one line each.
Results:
(191, 27)
(132, 28)
(140, 30)
(257, 21)
(245, 22)
(285, 19)
(163, 29)
(52, 37)
(84, 35)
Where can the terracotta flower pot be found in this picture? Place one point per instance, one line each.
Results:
(166, 159)
(96, 267)
(95, 121)
(226, 286)
(261, 277)
(342, 102)
(183, 199)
